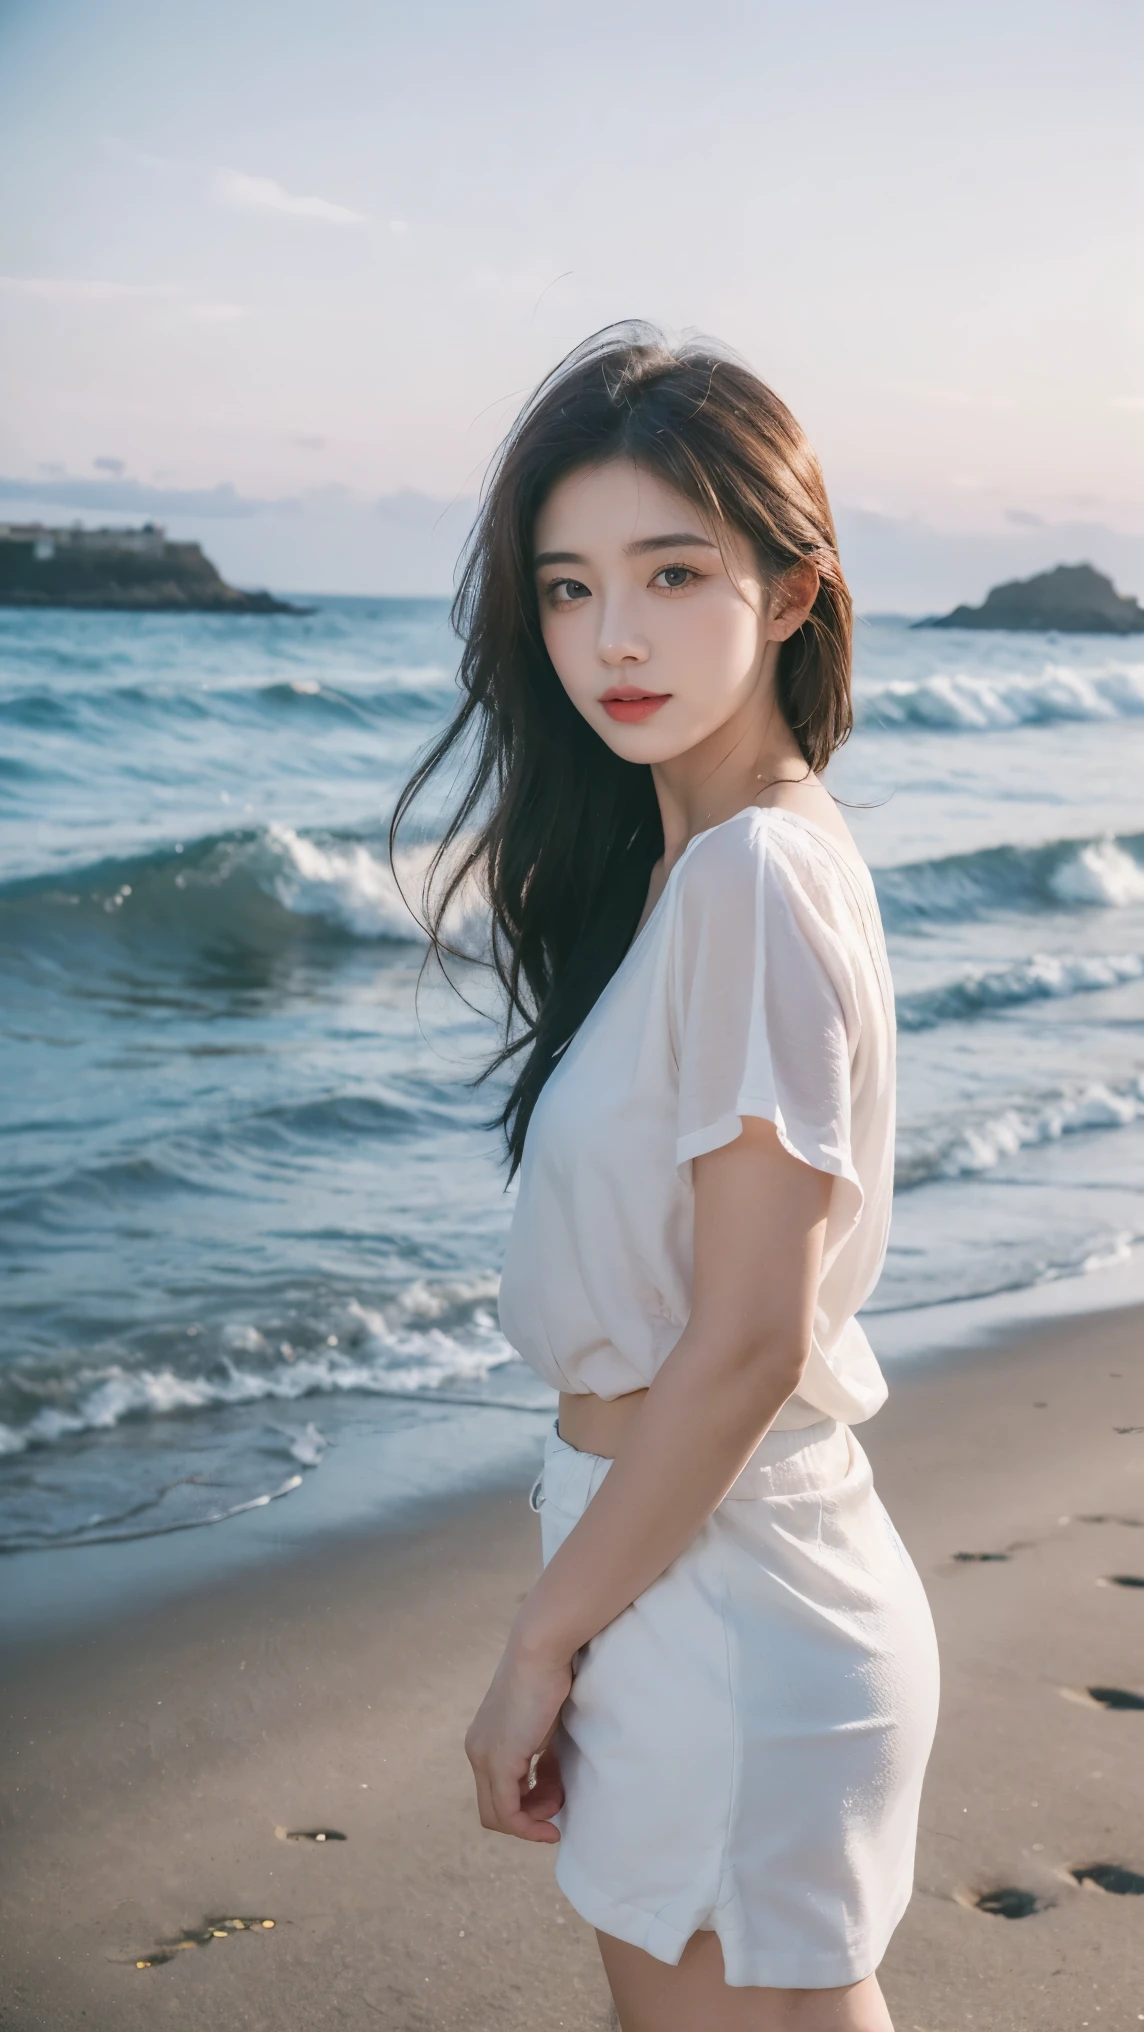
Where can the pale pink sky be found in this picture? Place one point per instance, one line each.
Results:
(297, 250)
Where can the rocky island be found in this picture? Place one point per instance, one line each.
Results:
(1074, 599)
(131, 570)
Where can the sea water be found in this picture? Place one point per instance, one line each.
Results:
(250, 1198)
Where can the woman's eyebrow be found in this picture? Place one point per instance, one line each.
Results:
(677, 541)
(671, 542)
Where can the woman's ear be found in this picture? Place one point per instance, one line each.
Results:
(792, 597)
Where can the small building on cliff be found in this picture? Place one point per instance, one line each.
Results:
(131, 570)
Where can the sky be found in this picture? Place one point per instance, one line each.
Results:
(280, 275)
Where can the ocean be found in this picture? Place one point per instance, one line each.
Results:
(250, 1201)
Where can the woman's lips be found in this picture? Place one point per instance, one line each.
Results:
(629, 704)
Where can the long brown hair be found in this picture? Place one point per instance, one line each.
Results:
(561, 833)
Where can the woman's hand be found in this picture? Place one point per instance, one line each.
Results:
(515, 1723)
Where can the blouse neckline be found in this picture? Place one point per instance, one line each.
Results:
(769, 811)
(857, 868)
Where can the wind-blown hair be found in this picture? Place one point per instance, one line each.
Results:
(560, 832)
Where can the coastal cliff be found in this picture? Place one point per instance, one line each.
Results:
(1073, 599)
(133, 570)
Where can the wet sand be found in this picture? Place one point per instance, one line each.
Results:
(158, 1770)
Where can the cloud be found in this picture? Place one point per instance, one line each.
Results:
(116, 467)
(135, 497)
(320, 540)
(1023, 518)
(262, 194)
(329, 540)
(909, 567)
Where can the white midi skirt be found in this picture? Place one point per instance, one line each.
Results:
(743, 1748)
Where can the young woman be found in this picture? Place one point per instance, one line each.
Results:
(720, 1695)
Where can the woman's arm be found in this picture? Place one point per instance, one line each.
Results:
(760, 1220)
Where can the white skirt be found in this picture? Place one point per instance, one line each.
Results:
(743, 1748)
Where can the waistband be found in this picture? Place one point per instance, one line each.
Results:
(785, 1463)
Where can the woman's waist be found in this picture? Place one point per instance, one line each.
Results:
(599, 1425)
(790, 1462)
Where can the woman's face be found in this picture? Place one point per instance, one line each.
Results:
(657, 634)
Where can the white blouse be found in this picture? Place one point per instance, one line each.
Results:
(759, 985)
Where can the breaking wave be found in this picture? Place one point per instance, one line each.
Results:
(964, 702)
(264, 888)
(115, 709)
(1110, 1249)
(1105, 873)
(253, 888)
(1042, 977)
(957, 702)
(425, 1338)
(976, 1146)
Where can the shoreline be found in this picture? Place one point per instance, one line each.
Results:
(400, 1464)
(158, 1758)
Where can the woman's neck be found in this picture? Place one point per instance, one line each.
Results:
(723, 774)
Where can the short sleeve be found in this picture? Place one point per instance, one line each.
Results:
(765, 1014)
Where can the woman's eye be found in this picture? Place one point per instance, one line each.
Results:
(673, 577)
(562, 591)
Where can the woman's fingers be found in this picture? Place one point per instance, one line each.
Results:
(508, 1805)
(509, 1789)
(545, 1796)
(509, 1739)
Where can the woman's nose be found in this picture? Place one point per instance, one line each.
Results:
(620, 643)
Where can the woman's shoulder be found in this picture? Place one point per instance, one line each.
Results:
(770, 877)
(775, 846)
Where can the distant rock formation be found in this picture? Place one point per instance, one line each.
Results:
(1074, 599)
(132, 570)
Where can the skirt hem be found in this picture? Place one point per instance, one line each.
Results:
(743, 1968)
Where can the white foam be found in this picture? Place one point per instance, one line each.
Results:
(983, 1145)
(351, 887)
(428, 1335)
(1108, 1255)
(1099, 873)
(308, 1446)
(967, 702)
(1042, 977)
(1053, 974)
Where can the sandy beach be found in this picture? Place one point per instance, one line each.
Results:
(169, 1771)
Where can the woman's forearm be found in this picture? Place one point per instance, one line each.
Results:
(698, 1425)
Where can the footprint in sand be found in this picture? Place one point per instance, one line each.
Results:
(1110, 1877)
(314, 1834)
(1007, 1901)
(1112, 1697)
(202, 1936)
(1120, 1580)
(992, 1558)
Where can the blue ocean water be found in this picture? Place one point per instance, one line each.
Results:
(248, 1196)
